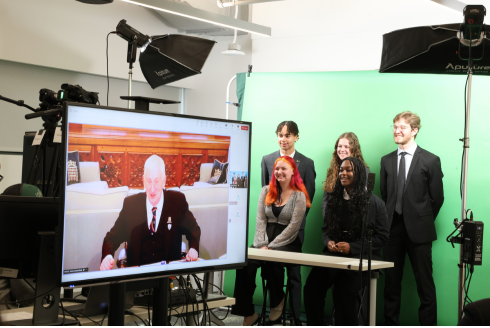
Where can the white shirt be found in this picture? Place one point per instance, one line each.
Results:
(408, 158)
(292, 155)
(149, 213)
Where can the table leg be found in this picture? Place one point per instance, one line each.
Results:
(372, 309)
(190, 318)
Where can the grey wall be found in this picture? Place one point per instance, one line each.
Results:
(208, 98)
(23, 81)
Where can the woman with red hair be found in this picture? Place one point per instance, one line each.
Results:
(281, 209)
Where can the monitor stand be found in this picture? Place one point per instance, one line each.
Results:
(160, 302)
(46, 305)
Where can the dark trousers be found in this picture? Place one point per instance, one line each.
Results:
(346, 290)
(420, 256)
(245, 287)
(276, 278)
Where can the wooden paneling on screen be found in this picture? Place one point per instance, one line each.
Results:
(122, 152)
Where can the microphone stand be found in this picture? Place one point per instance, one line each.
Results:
(364, 231)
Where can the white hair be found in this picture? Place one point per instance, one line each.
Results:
(155, 161)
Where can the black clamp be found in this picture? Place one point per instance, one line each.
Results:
(249, 70)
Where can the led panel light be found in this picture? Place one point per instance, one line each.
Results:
(202, 15)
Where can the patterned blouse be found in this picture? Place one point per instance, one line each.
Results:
(291, 215)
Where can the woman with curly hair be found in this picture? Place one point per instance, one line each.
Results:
(347, 145)
(342, 237)
(281, 209)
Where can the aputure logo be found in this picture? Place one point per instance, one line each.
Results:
(162, 72)
(460, 67)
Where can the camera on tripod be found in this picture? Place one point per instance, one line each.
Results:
(50, 111)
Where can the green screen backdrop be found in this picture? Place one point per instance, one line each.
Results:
(326, 104)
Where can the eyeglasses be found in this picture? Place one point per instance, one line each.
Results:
(399, 127)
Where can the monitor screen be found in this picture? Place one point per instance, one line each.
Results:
(149, 194)
(21, 220)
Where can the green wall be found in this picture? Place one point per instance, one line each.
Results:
(327, 104)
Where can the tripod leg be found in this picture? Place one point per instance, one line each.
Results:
(53, 169)
(34, 166)
(43, 167)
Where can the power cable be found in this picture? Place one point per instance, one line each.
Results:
(31, 298)
(137, 316)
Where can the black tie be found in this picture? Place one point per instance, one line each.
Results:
(401, 184)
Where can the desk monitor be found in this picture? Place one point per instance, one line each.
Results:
(21, 218)
(149, 194)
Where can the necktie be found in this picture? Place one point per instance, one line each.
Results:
(153, 221)
(401, 184)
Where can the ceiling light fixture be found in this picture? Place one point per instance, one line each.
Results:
(451, 4)
(234, 48)
(202, 15)
(96, 2)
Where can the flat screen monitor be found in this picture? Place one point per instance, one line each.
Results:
(21, 219)
(149, 194)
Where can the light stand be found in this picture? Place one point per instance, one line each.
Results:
(132, 47)
(135, 40)
(469, 30)
(369, 239)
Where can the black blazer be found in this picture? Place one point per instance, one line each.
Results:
(423, 194)
(133, 218)
(377, 221)
(306, 168)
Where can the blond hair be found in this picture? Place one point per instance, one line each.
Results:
(411, 118)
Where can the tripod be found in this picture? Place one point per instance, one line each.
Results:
(49, 185)
(367, 236)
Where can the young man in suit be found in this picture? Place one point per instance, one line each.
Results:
(287, 134)
(243, 180)
(152, 223)
(411, 187)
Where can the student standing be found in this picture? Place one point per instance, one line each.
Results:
(287, 135)
(411, 187)
(342, 237)
(281, 209)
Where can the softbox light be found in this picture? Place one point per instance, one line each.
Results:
(433, 50)
(171, 57)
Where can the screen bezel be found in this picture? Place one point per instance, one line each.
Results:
(141, 276)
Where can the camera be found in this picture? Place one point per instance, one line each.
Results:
(75, 93)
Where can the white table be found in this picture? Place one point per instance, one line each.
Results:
(336, 262)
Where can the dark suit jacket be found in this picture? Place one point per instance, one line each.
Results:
(423, 194)
(133, 218)
(377, 221)
(306, 168)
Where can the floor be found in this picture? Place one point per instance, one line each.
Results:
(228, 319)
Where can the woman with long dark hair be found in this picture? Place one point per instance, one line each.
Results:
(281, 208)
(347, 145)
(342, 237)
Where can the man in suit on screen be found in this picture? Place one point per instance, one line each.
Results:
(411, 187)
(243, 180)
(152, 223)
(287, 134)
